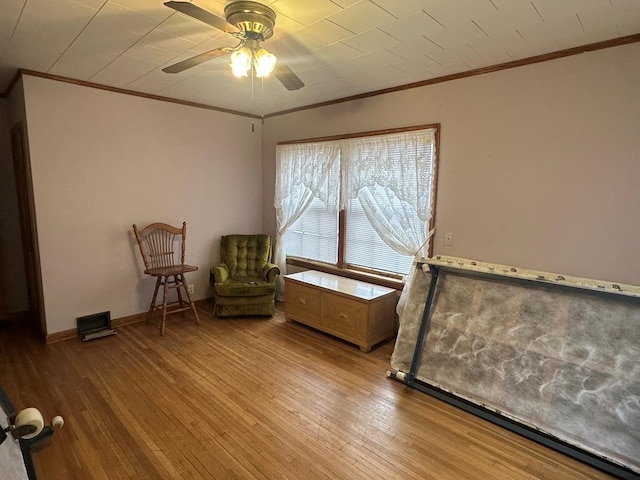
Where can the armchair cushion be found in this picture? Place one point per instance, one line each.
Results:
(245, 255)
(240, 288)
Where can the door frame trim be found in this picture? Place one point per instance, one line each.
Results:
(26, 206)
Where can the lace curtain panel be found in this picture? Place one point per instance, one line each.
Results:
(392, 177)
(303, 172)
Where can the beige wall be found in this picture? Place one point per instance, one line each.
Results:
(539, 165)
(102, 161)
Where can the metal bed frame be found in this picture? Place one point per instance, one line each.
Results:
(409, 378)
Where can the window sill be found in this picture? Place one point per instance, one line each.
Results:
(344, 272)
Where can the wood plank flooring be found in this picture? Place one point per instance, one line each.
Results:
(250, 399)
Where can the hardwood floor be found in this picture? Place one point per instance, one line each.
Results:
(250, 399)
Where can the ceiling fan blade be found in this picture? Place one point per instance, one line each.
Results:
(287, 78)
(197, 60)
(199, 14)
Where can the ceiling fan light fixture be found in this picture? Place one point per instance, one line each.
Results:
(251, 23)
(241, 62)
(252, 18)
(264, 62)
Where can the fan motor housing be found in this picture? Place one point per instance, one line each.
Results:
(252, 18)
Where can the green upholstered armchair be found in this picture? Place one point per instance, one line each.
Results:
(244, 282)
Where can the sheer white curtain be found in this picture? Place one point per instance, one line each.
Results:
(392, 177)
(302, 174)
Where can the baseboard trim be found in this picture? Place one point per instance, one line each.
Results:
(61, 336)
(204, 304)
(121, 322)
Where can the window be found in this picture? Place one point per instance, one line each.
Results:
(361, 240)
(364, 202)
(314, 236)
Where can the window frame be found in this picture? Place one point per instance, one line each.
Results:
(342, 268)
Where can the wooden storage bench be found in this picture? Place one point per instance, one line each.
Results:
(358, 312)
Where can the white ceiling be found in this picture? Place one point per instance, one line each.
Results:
(338, 48)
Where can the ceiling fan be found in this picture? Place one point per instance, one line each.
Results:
(251, 23)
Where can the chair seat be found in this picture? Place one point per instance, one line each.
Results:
(170, 270)
(244, 287)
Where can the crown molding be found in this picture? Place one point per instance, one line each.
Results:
(447, 78)
(124, 91)
(545, 57)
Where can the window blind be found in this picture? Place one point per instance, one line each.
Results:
(315, 234)
(365, 248)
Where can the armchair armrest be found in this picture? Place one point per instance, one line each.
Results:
(218, 274)
(270, 271)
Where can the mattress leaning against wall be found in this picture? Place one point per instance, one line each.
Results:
(557, 354)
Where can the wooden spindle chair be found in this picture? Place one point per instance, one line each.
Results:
(157, 242)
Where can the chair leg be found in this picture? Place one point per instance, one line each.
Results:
(185, 285)
(153, 299)
(177, 281)
(164, 306)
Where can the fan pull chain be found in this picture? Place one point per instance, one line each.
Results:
(253, 74)
(262, 101)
